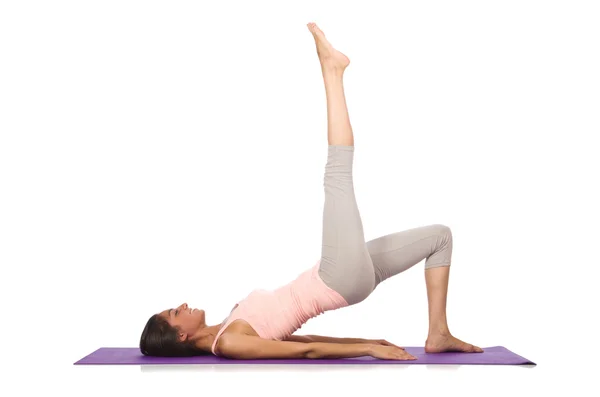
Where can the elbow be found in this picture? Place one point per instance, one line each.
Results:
(312, 351)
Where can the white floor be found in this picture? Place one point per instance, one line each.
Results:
(306, 380)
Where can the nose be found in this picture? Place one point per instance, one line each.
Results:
(184, 306)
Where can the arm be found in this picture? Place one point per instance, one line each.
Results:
(330, 339)
(326, 339)
(240, 346)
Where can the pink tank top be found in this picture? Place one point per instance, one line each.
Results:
(277, 314)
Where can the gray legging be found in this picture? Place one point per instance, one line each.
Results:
(352, 267)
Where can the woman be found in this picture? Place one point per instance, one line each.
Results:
(261, 325)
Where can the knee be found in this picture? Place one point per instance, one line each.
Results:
(441, 247)
(442, 229)
(444, 232)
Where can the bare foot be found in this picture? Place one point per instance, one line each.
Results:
(448, 343)
(329, 56)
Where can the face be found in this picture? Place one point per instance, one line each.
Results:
(188, 320)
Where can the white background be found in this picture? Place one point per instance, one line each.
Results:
(154, 153)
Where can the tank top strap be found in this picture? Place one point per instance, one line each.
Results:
(226, 322)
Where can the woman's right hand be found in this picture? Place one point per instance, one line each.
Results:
(390, 353)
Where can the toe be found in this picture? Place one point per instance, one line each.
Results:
(476, 349)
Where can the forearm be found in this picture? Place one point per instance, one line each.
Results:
(337, 350)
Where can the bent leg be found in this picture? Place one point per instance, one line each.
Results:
(394, 253)
(397, 252)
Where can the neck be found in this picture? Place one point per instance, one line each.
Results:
(204, 337)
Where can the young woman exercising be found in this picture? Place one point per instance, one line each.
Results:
(261, 325)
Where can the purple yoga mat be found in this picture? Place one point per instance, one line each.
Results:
(496, 355)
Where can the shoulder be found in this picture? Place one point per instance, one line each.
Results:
(236, 327)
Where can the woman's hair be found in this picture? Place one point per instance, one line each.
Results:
(159, 338)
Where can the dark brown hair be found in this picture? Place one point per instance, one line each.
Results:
(159, 338)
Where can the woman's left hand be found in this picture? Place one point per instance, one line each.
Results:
(382, 342)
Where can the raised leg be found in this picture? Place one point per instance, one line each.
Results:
(346, 265)
(333, 65)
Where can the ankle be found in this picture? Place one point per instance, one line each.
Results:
(439, 331)
(331, 69)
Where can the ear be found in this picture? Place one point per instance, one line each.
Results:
(182, 336)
